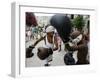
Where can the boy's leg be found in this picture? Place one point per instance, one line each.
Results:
(48, 60)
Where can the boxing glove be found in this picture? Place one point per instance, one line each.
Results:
(43, 53)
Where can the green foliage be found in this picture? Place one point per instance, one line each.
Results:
(78, 22)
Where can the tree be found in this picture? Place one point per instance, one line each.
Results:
(79, 22)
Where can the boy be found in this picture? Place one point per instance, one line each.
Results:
(47, 49)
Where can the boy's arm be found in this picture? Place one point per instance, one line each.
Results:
(78, 47)
(42, 38)
(56, 44)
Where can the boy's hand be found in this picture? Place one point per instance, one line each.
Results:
(32, 46)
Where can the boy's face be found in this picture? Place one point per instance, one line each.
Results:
(50, 34)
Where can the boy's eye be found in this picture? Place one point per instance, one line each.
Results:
(52, 32)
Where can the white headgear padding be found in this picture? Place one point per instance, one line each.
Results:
(75, 38)
(50, 29)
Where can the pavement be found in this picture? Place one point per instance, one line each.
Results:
(58, 57)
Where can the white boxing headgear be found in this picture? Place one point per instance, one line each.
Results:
(50, 29)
